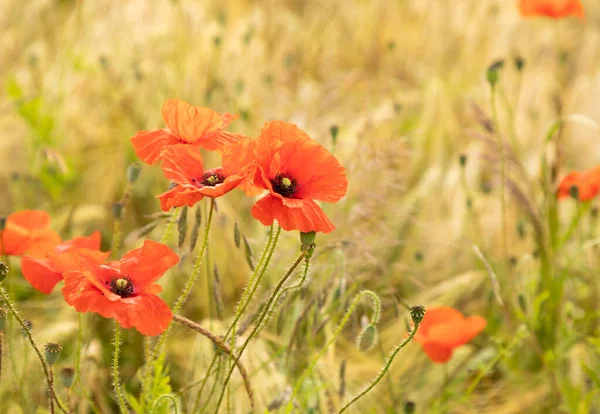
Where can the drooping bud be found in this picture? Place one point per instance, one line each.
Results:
(417, 313)
(237, 236)
(52, 352)
(67, 376)
(334, 130)
(493, 72)
(117, 211)
(367, 338)
(133, 172)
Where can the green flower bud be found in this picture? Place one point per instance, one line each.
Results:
(133, 172)
(519, 63)
(574, 192)
(409, 407)
(367, 338)
(493, 72)
(417, 313)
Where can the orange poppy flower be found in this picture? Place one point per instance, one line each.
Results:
(45, 272)
(587, 183)
(551, 8)
(444, 329)
(186, 124)
(27, 232)
(122, 290)
(183, 165)
(296, 170)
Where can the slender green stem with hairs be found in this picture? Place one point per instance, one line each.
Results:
(169, 228)
(180, 300)
(251, 287)
(338, 331)
(258, 323)
(27, 331)
(115, 370)
(116, 240)
(78, 347)
(384, 370)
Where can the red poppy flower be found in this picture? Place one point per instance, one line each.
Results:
(183, 165)
(122, 290)
(296, 170)
(587, 183)
(44, 273)
(27, 232)
(551, 8)
(444, 329)
(186, 124)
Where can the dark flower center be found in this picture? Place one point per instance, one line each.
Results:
(209, 179)
(285, 185)
(121, 285)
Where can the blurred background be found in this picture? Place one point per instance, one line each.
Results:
(397, 91)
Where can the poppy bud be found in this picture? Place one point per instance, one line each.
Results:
(67, 376)
(409, 407)
(28, 326)
(2, 223)
(334, 130)
(367, 338)
(519, 63)
(237, 236)
(417, 313)
(462, 158)
(2, 318)
(493, 72)
(574, 192)
(419, 256)
(4, 269)
(52, 352)
(117, 210)
(133, 172)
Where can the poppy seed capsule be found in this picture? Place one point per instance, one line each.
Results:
(52, 352)
(574, 192)
(133, 172)
(417, 313)
(67, 376)
(308, 238)
(117, 210)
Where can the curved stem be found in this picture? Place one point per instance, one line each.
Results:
(27, 332)
(115, 370)
(258, 323)
(337, 332)
(169, 228)
(384, 370)
(223, 347)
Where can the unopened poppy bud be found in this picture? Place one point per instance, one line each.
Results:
(409, 407)
(2, 318)
(519, 63)
(117, 210)
(237, 235)
(52, 352)
(574, 192)
(28, 326)
(367, 338)
(67, 377)
(2, 223)
(493, 72)
(462, 158)
(133, 172)
(4, 269)
(417, 313)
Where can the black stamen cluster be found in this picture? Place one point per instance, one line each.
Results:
(211, 179)
(286, 191)
(123, 291)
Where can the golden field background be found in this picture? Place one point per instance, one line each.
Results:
(402, 80)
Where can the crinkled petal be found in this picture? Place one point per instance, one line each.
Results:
(91, 242)
(40, 273)
(85, 297)
(149, 144)
(179, 196)
(42, 242)
(182, 163)
(192, 123)
(147, 313)
(309, 217)
(30, 219)
(148, 263)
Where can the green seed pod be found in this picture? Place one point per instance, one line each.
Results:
(308, 238)
(493, 72)
(417, 313)
(133, 172)
(367, 338)
(117, 211)
(52, 352)
(67, 377)
(410, 407)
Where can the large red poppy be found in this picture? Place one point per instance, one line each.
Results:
(587, 183)
(43, 273)
(123, 290)
(551, 8)
(186, 124)
(444, 329)
(28, 232)
(183, 165)
(296, 170)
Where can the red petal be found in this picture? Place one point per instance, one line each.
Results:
(179, 197)
(91, 242)
(181, 163)
(147, 313)
(192, 123)
(148, 263)
(309, 217)
(437, 353)
(149, 144)
(85, 297)
(40, 273)
(436, 316)
(30, 219)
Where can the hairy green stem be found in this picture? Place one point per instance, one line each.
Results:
(258, 323)
(169, 228)
(27, 331)
(164, 397)
(115, 370)
(308, 370)
(384, 370)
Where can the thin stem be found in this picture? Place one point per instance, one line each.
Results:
(27, 332)
(503, 171)
(169, 228)
(582, 208)
(115, 373)
(116, 240)
(50, 399)
(78, 348)
(258, 323)
(223, 347)
(384, 370)
(337, 332)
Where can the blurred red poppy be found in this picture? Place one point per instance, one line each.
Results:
(122, 290)
(186, 124)
(586, 182)
(444, 329)
(28, 232)
(43, 273)
(551, 8)
(296, 170)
